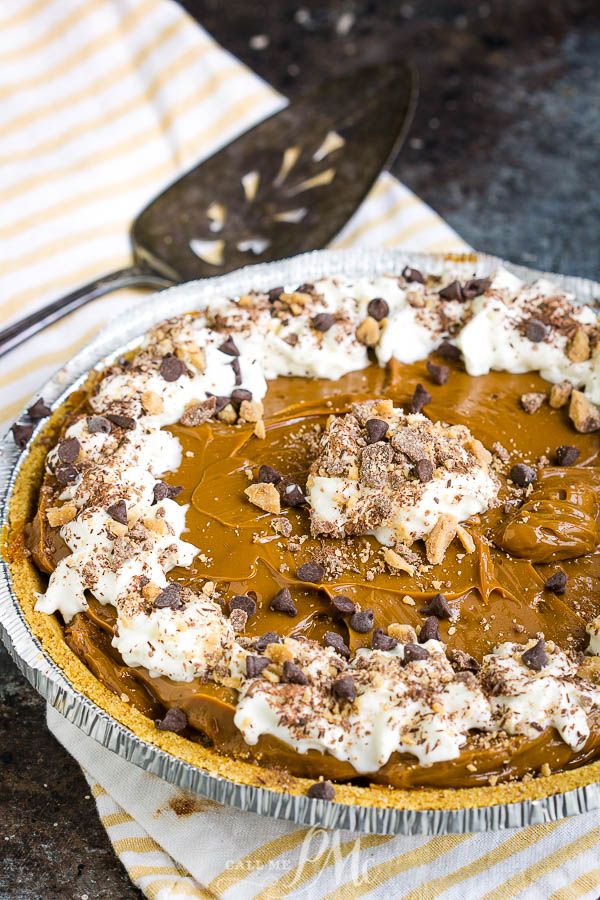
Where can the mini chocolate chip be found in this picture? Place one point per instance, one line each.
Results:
(522, 475)
(322, 321)
(170, 597)
(362, 621)
(66, 474)
(566, 455)
(376, 430)
(378, 309)
(229, 347)
(291, 493)
(536, 657)
(344, 688)
(413, 652)
(125, 422)
(382, 641)
(448, 351)
(430, 630)
(68, 450)
(557, 583)
(255, 665)
(163, 491)
(173, 720)
(311, 571)
(421, 398)
(452, 291)
(475, 287)
(171, 368)
(274, 294)
(293, 674)
(321, 790)
(344, 605)
(244, 602)
(535, 330)
(118, 512)
(438, 607)
(235, 365)
(438, 374)
(21, 434)
(240, 394)
(409, 274)
(268, 475)
(424, 470)
(99, 425)
(39, 410)
(336, 642)
(269, 637)
(282, 602)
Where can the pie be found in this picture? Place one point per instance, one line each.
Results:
(336, 538)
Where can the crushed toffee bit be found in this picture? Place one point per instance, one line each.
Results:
(557, 583)
(198, 413)
(174, 720)
(265, 496)
(522, 475)
(579, 348)
(583, 414)
(367, 332)
(282, 526)
(560, 394)
(312, 572)
(378, 309)
(567, 455)
(439, 538)
(282, 602)
(532, 401)
(536, 657)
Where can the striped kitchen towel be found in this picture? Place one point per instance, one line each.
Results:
(102, 103)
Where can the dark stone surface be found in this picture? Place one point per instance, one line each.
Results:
(504, 145)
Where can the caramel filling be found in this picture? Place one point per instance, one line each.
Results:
(497, 592)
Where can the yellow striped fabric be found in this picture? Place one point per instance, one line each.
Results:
(102, 103)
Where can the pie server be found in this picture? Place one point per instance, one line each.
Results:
(286, 186)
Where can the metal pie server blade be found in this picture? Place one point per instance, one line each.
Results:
(286, 186)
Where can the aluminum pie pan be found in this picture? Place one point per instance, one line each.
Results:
(52, 683)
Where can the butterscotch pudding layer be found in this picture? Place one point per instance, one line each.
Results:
(317, 529)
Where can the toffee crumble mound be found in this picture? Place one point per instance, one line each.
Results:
(333, 621)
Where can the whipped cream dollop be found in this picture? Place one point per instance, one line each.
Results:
(124, 528)
(396, 488)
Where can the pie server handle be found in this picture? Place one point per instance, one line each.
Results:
(23, 329)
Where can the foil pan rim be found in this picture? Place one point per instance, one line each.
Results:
(49, 680)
